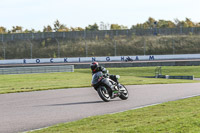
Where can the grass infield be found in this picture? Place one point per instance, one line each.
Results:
(82, 78)
(182, 116)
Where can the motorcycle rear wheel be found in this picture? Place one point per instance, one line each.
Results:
(103, 93)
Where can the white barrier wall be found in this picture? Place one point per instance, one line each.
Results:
(99, 59)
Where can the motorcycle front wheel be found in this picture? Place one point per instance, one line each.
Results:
(103, 93)
(124, 93)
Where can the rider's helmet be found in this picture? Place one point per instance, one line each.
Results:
(94, 66)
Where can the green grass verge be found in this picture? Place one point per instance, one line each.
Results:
(182, 116)
(82, 78)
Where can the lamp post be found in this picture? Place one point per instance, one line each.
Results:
(155, 28)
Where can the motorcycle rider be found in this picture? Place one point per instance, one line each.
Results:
(96, 68)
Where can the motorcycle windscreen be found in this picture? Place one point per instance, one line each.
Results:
(96, 77)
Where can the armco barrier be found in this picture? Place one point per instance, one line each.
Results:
(37, 69)
(179, 77)
(142, 64)
(172, 77)
(101, 59)
(116, 64)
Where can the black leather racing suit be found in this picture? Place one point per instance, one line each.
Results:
(112, 77)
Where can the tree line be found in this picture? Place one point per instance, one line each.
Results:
(150, 23)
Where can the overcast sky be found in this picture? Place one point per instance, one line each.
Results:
(80, 13)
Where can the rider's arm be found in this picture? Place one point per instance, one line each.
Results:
(103, 69)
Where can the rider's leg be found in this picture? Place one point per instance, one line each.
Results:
(109, 84)
(114, 78)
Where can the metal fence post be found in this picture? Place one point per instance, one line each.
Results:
(181, 30)
(2, 37)
(31, 45)
(115, 47)
(192, 30)
(115, 44)
(4, 47)
(86, 50)
(4, 51)
(144, 47)
(173, 46)
(58, 47)
(32, 36)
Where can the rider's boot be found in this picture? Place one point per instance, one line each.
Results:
(119, 86)
(114, 91)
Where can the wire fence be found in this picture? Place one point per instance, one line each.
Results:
(37, 69)
(101, 34)
(153, 41)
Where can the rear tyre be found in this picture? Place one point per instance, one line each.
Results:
(124, 93)
(103, 93)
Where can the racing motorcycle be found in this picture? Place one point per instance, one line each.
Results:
(128, 59)
(100, 83)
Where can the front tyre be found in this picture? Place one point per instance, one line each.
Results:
(123, 93)
(103, 93)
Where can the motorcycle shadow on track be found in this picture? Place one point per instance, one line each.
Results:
(78, 103)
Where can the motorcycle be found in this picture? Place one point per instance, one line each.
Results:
(100, 83)
(128, 59)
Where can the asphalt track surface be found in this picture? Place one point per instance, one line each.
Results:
(32, 110)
